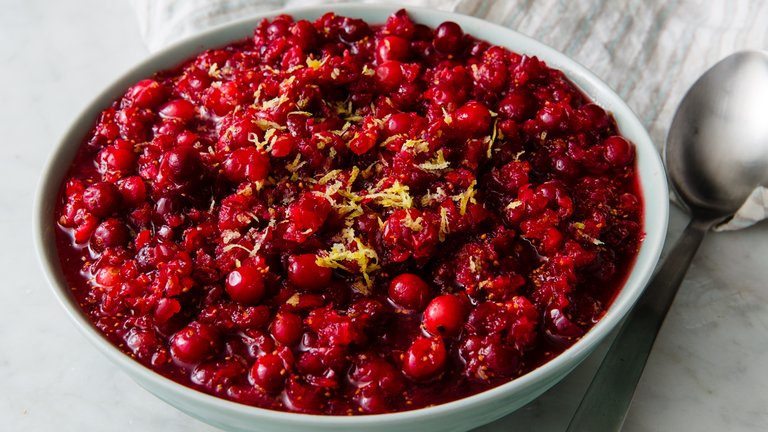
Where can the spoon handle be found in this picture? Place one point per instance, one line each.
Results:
(607, 400)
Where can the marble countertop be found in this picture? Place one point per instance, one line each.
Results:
(706, 372)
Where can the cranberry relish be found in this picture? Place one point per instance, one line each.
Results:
(337, 218)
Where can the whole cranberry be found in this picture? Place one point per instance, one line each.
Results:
(282, 146)
(565, 166)
(278, 29)
(194, 82)
(379, 372)
(305, 397)
(392, 48)
(389, 75)
(449, 39)
(474, 119)
(597, 116)
(168, 210)
(101, 199)
(352, 30)
(117, 158)
(146, 94)
(501, 358)
(245, 285)
(444, 316)
(552, 118)
(179, 109)
(398, 124)
(109, 276)
(618, 151)
(109, 233)
(217, 375)
(286, 328)
(304, 272)
(558, 326)
(141, 342)
(268, 373)
(305, 33)
(410, 292)
(246, 164)
(182, 164)
(195, 342)
(517, 107)
(443, 95)
(133, 190)
(425, 359)
(260, 342)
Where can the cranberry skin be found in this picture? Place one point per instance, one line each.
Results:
(109, 233)
(565, 166)
(305, 397)
(193, 83)
(551, 118)
(179, 109)
(597, 116)
(217, 375)
(501, 358)
(246, 164)
(305, 33)
(425, 359)
(379, 372)
(352, 30)
(260, 343)
(102, 199)
(282, 146)
(167, 210)
(517, 107)
(133, 190)
(443, 95)
(389, 76)
(268, 373)
(558, 326)
(278, 29)
(410, 292)
(117, 159)
(474, 119)
(195, 342)
(182, 165)
(286, 328)
(618, 151)
(449, 39)
(392, 48)
(245, 285)
(146, 94)
(444, 316)
(223, 99)
(109, 276)
(304, 272)
(398, 124)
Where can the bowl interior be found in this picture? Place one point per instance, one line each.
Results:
(458, 415)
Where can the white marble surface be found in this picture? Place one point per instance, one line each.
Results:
(706, 373)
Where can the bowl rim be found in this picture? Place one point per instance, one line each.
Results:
(656, 209)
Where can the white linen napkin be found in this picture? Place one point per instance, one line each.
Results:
(649, 51)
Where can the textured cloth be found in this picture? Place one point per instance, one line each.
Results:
(649, 51)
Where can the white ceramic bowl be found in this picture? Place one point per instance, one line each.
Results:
(455, 416)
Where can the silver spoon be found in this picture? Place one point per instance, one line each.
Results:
(716, 155)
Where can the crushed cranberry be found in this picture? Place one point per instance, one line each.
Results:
(340, 218)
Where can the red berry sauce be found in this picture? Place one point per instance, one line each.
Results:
(339, 218)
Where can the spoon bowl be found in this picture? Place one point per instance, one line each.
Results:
(717, 148)
(716, 154)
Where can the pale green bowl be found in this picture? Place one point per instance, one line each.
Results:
(460, 415)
